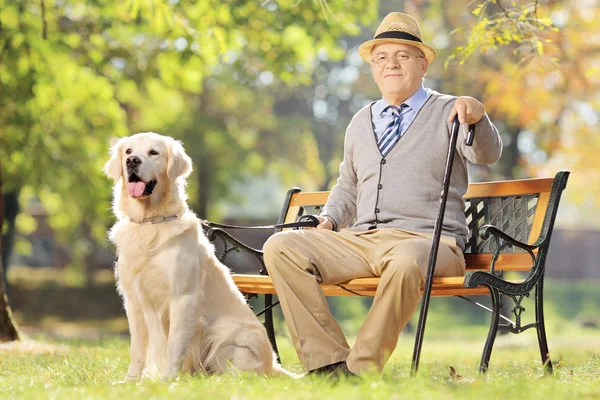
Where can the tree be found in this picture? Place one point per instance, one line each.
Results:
(229, 79)
(73, 75)
(8, 329)
(535, 65)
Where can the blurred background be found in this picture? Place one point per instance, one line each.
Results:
(260, 92)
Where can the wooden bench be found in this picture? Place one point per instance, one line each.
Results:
(510, 226)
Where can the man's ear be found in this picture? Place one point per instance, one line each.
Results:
(178, 163)
(114, 167)
(424, 67)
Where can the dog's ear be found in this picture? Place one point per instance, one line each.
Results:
(114, 167)
(178, 163)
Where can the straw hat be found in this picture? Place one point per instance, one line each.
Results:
(397, 28)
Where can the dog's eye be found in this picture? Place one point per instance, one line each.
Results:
(153, 152)
(128, 151)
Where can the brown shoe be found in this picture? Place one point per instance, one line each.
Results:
(343, 370)
(334, 370)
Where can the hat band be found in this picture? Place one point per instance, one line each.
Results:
(398, 35)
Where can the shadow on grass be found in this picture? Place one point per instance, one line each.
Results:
(68, 304)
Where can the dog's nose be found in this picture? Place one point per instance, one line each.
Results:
(133, 161)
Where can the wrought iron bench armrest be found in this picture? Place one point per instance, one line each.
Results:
(490, 230)
(230, 243)
(477, 278)
(493, 277)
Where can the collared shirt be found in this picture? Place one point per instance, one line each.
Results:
(382, 116)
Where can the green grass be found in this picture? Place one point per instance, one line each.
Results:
(60, 368)
(86, 369)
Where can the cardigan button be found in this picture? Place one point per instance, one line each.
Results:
(377, 211)
(383, 161)
(380, 186)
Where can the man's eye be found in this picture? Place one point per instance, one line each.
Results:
(403, 56)
(128, 151)
(153, 152)
(381, 58)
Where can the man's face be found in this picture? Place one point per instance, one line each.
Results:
(394, 77)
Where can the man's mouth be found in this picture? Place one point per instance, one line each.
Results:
(138, 188)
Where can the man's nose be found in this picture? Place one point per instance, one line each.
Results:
(133, 161)
(392, 63)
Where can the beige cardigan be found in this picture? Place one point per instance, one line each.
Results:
(402, 190)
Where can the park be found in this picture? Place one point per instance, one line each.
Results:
(443, 266)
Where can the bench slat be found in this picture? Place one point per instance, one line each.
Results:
(506, 261)
(451, 286)
(483, 189)
(538, 220)
(509, 188)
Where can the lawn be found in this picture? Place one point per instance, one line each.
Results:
(86, 369)
(60, 364)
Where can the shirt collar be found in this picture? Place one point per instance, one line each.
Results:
(415, 102)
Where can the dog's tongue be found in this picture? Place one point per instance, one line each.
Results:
(136, 189)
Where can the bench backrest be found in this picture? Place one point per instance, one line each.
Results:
(524, 209)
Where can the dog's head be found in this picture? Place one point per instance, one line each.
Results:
(146, 162)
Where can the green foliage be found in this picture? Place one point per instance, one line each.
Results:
(74, 74)
(535, 66)
(501, 23)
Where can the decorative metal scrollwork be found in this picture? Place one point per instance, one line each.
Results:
(309, 210)
(517, 310)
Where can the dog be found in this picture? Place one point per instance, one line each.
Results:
(184, 311)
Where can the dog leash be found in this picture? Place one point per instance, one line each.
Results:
(306, 221)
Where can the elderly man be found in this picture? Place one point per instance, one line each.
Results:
(388, 189)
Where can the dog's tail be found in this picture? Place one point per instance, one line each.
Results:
(278, 370)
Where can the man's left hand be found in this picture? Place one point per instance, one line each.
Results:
(469, 110)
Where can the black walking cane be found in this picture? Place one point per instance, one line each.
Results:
(437, 232)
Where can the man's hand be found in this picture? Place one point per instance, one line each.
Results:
(324, 223)
(469, 110)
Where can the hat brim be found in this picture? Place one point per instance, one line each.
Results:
(365, 49)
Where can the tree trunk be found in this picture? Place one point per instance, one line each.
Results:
(11, 210)
(89, 254)
(8, 329)
(205, 164)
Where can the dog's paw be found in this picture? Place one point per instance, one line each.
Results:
(128, 379)
(170, 378)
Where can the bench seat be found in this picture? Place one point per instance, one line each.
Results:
(450, 286)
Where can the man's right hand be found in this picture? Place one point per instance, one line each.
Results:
(325, 223)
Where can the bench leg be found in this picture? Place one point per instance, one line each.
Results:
(541, 326)
(489, 343)
(269, 324)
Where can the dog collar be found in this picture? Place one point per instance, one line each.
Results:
(159, 219)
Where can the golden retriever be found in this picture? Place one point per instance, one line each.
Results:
(184, 311)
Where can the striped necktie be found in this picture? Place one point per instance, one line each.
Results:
(392, 132)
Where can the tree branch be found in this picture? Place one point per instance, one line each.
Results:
(44, 23)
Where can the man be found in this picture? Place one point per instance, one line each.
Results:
(389, 184)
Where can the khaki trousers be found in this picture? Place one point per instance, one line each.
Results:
(299, 260)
